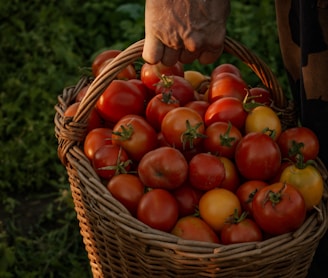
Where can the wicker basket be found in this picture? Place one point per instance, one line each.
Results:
(118, 245)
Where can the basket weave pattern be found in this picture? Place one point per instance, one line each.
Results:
(118, 245)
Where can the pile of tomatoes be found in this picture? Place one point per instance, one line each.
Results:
(202, 157)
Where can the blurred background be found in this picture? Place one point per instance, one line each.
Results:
(46, 46)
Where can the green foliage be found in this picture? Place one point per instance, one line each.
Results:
(46, 46)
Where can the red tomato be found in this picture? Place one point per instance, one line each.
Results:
(298, 140)
(95, 139)
(216, 205)
(222, 139)
(231, 179)
(110, 160)
(158, 107)
(187, 198)
(198, 105)
(225, 68)
(194, 228)
(150, 75)
(179, 87)
(158, 209)
(183, 128)
(246, 193)
(239, 230)
(279, 208)
(257, 156)
(282, 167)
(135, 135)
(82, 93)
(143, 88)
(101, 58)
(227, 109)
(227, 85)
(259, 95)
(94, 120)
(206, 171)
(120, 98)
(128, 190)
(107, 56)
(164, 167)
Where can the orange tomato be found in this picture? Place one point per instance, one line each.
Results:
(217, 205)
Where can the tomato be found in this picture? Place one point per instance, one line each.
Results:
(225, 68)
(81, 94)
(307, 180)
(128, 190)
(195, 78)
(263, 119)
(150, 75)
(95, 139)
(259, 95)
(257, 156)
(283, 165)
(143, 88)
(222, 139)
(216, 205)
(239, 230)
(158, 107)
(183, 128)
(110, 160)
(298, 140)
(158, 209)
(246, 192)
(120, 98)
(194, 228)
(103, 58)
(231, 179)
(279, 208)
(135, 135)
(227, 85)
(206, 171)
(179, 87)
(164, 167)
(187, 198)
(227, 109)
(198, 105)
(94, 120)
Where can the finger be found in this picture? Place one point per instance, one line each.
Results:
(209, 57)
(170, 56)
(153, 50)
(187, 57)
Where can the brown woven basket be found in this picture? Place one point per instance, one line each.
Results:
(118, 245)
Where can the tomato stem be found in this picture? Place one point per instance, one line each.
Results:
(191, 134)
(274, 197)
(225, 139)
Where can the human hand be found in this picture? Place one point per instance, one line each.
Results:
(184, 30)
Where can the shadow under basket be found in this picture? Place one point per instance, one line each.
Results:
(118, 245)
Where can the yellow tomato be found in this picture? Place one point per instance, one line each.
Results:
(217, 205)
(263, 118)
(307, 180)
(195, 78)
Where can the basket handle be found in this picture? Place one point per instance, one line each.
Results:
(134, 51)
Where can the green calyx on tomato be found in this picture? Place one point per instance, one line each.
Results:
(120, 167)
(225, 138)
(167, 98)
(274, 197)
(125, 133)
(190, 134)
(235, 218)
